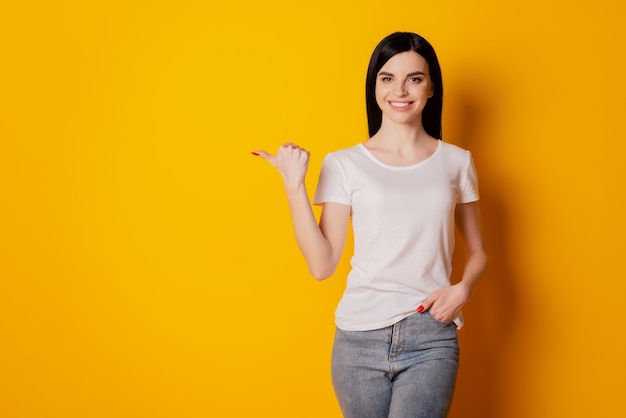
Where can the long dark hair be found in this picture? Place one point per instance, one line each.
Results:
(394, 44)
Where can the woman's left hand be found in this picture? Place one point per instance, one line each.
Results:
(446, 303)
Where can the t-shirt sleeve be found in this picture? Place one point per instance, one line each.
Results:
(332, 185)
(468, 184)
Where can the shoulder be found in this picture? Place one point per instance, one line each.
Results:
(453, 149)
(347, 153)
(455, 153)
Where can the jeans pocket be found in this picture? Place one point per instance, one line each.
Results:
(442, 323)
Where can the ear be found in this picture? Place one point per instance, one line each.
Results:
(432, 90)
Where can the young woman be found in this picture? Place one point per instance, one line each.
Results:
(395, 352)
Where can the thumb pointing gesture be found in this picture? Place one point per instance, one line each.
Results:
(266, 156)
(291, 161)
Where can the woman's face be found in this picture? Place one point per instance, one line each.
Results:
(403, 86)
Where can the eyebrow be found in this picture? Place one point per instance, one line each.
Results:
(408, 75)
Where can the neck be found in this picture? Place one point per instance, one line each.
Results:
(401, 135)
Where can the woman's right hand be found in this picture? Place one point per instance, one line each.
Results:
(291, 161)
(321, 244)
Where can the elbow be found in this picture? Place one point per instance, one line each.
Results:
(483, 258)
(321, 273)
(481, 255)
(322, 266)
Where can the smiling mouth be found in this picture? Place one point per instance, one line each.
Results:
(400, 104)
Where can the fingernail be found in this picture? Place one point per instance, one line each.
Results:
(255, 153)
(420, 308)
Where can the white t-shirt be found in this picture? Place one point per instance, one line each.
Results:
(403, 223)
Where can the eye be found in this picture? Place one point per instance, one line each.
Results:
(415, 80)
(385, 79)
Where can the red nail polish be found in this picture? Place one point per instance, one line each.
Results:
(420, 308)
(255, 153)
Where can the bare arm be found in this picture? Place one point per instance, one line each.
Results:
(321, 245)
(446, 303)
(468, 221)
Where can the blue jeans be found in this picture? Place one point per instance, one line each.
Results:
(405, 370)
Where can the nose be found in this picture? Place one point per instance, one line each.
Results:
(399, 88)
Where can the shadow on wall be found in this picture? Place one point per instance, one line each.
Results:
(477, 107)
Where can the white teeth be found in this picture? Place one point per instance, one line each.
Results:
(399, 104)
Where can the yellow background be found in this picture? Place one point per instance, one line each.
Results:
(147, 263)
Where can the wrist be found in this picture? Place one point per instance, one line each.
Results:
(293, 187)
(466, 288)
